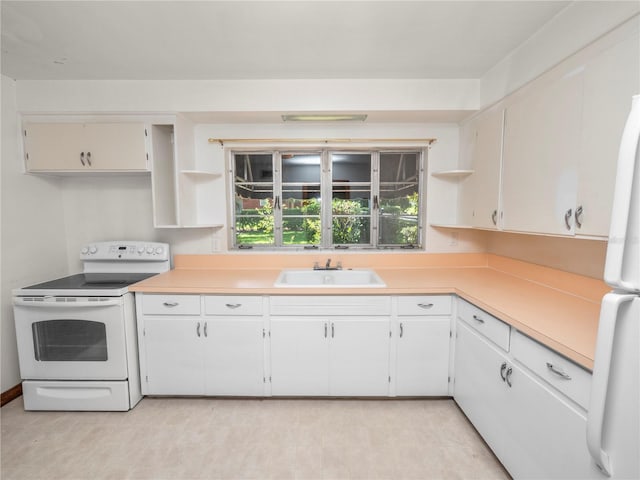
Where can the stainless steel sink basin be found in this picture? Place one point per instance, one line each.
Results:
(360, 278)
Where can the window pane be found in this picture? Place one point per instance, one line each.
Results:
(301, 198)
(351, 167)
(253, 167)
(399, 203)
(254, 215)
(254, 199)
(351, 230)
(70, 341)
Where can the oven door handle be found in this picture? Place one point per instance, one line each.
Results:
(49, 302)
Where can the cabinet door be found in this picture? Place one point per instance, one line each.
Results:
(53, 146)
(174, 356)
(486, 169)
(234, 356)
(480, 391)
(422, 356)
(299, 356)
(548, 436)
(540, 161)
(117, 146)
(359, 356)
(605, 111)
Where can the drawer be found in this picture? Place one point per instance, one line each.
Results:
(331, 305)
(569, 378)
(232, 305)
(170, 304)
(495, 330)
(424, 305)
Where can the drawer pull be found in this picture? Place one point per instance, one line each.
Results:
(425, 305)
(233, 305)
(478, 319)
(507, 377)
(558, 372)
(503, 367)
(170, 304)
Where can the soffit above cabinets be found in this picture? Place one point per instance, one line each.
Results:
(168, 40)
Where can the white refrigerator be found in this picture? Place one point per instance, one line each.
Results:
(613, 422)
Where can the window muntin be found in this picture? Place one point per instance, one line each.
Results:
(371, 199)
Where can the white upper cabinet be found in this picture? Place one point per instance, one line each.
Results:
(548, 165)
(480, 192)
(541, 150)
(610, 80)
(83, 147)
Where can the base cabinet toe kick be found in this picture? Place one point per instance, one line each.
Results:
(527, 401)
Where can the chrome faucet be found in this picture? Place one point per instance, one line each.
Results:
(327, 266)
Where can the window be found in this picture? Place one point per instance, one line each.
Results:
(327, 198)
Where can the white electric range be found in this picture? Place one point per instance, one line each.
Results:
(77, 341)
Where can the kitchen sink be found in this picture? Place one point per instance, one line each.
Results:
(352, 278)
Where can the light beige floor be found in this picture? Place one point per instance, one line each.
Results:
(204, 438)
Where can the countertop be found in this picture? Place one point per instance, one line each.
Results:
(558, 309)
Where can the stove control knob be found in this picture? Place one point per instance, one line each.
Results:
(93, 249)
(149, 250)
(141, 250)
(159, 250)
(84, 250)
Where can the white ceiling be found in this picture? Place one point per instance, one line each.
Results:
(263, 39)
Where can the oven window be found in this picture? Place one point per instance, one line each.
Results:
(70, 341)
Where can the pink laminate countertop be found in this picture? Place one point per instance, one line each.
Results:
(565, 321)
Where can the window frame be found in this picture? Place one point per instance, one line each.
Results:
(326, 192)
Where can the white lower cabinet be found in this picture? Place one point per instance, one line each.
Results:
(533, 429)
(336, 346)
(234, 356)
(186, 352)
(422, 331)
(321, 356)
(173, 356)
(299, 356)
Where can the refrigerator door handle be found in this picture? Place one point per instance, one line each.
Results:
(600, 381)
(622, 199)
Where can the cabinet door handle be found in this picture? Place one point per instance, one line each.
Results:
(82, 159)
(198, 329)
(425, 305)
(507, 377)
(558, 372)
(325, 329)
(89, 158)
(578, 216)
(494, 217)
(333, 330)
(205, 329)
(170, 304)
(401, 330)
(503, 367)
(478, 319)
(567, 217)
(233, 305)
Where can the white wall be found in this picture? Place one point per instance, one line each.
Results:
(33, 245)
(443, 154)
(579, 24)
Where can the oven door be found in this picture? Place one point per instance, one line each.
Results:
(71, 338)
